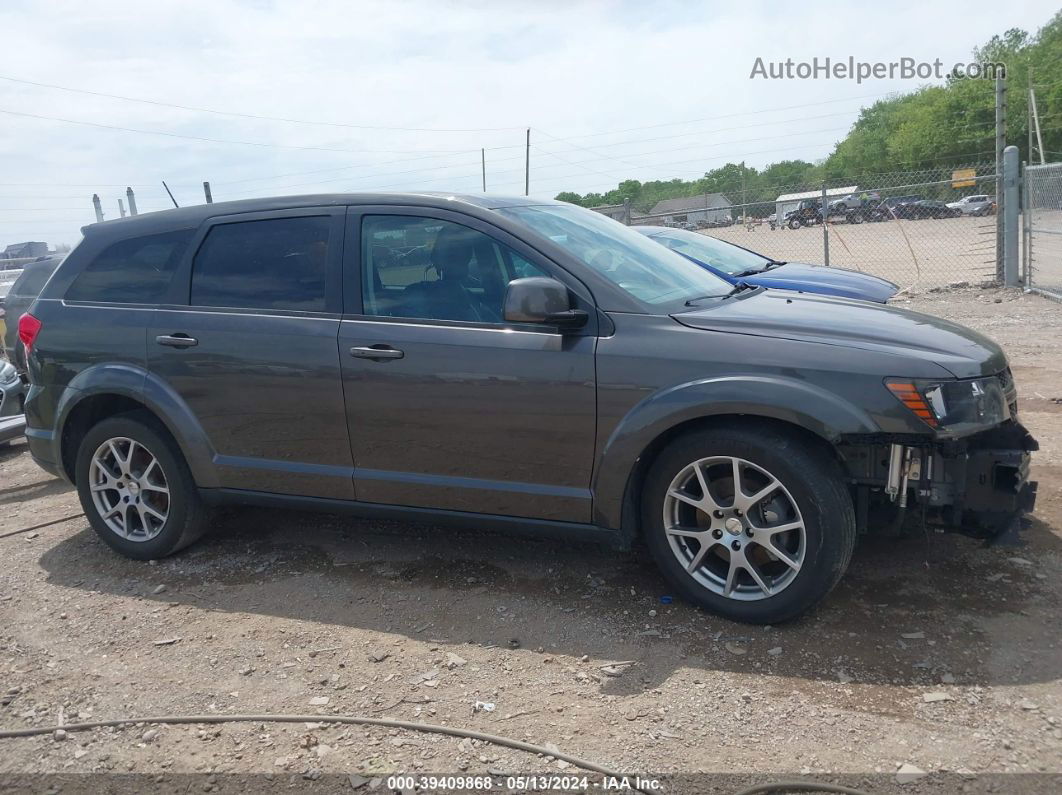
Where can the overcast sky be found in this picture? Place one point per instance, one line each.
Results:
(611, 90)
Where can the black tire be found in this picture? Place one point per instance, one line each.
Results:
(187, 516)
(794, 223)
(813, 479)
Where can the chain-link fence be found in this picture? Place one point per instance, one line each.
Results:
(1043, 229)
(918, 229)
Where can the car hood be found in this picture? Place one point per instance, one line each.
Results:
(817, 278)
(852, 324)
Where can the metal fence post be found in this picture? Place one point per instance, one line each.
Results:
(1010, 216)
(627, 211)
(132, 200)
(121, 208)
(1001, 142)
(207, 194)
(825, 229)
(97, 208)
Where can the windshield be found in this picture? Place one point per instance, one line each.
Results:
(649, 272)
(723, 256)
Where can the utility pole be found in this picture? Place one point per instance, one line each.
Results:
(483, 163)
(1036, 123)
(527, 165)
(121, 208)
(1029, 120)
(97, 208)
(131, 199)
(206, 192)
(1001, 142)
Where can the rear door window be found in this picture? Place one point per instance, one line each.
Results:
(277, 263)
(133, 271)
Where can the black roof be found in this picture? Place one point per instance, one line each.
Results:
(193, 215)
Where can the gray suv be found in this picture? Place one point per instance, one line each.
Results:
(506, 363)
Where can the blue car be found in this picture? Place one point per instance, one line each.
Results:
(737, 264)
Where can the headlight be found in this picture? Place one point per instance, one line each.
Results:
(954, 405)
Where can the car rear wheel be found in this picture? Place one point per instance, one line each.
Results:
(136, 489)
(754, 524)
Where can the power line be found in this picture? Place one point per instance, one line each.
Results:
(222, 140)
(196, 109)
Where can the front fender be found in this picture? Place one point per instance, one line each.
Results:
(134, 382)
(797, 402)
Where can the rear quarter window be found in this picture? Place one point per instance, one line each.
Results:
(133, 271)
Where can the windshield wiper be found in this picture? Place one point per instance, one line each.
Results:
(738, 288)
(771, 263)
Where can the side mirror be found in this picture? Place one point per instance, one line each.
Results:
(538, 299)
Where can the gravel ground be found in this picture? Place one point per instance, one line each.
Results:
(935, 653)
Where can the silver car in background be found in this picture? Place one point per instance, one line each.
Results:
(12, 396)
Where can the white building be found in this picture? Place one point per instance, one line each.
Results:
(710, 207)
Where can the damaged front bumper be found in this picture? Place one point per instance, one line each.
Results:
(977, 485)
(983, 482)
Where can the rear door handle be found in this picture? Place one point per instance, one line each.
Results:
(377, 352)
(176, 340)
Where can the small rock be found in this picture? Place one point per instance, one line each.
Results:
(159, 589)
(455, 660)
(652, 614)
(282, 761)
(948, 679)
(378, 655)
(166, 641)
(318, 701)
(356, 781)
(775, 652)
(1019, 561)
(483, 706)
(735, 648)
(323, 750)
(514, 643)
(931, 698)
(59, 735)
(149, 735)
(913, 635)
(908, 773)
(1028, 705)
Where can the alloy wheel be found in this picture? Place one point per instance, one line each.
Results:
(129, 489)
(735, 528)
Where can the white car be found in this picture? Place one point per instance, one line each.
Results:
(980, 204)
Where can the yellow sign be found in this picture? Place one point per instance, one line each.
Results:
(963, 178)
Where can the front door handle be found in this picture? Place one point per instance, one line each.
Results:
(177, 340)
(377, 352)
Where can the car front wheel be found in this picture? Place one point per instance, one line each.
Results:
(136, 489)
(754, 523)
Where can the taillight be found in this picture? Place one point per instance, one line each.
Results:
(28, 329)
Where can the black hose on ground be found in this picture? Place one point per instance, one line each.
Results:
(434, 728)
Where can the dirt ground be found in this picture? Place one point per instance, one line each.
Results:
(938, 653)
